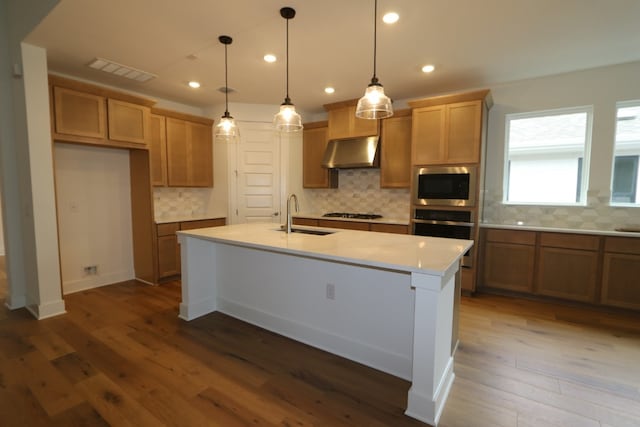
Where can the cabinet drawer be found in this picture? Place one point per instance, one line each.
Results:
(511, 236)
(390, 228)
(168, 229)
(349, 225)
(306, 221)
(202, 223)
(570, 241)
(623, 245)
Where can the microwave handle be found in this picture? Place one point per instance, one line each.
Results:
(431, 221)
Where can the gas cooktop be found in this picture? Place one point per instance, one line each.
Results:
(351, 215)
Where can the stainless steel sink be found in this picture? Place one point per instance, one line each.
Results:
(308, 231)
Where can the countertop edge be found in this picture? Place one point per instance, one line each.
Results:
(612, 233)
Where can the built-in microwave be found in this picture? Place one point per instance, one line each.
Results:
(445, 185)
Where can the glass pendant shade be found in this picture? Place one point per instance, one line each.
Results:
(287, 119)
(374, 104)
(226, 129)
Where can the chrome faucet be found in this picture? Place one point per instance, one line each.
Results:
(295, 198)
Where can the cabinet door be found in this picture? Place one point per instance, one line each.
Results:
(428, 135)
(464, 125)
(620, 283)
(343, 123)
(509, 266)
(200, 164)
(79, 114)
(339, 123)
(168, 256)
(158, 150)
(395, 160)
(128, 122)
(567, 273)
(314, 144)
(177, 153)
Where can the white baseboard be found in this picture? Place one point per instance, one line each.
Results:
(46, 310)
(360, 352)
(90, 282)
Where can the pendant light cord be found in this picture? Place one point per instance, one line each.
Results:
(287, 99)
(226, 84)
(375, 37)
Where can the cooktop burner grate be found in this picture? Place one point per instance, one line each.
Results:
(351, 215)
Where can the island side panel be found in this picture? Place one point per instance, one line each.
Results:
(369, 320)
(199, 283)
(432, 358)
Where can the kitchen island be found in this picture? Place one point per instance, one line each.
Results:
(380, 299)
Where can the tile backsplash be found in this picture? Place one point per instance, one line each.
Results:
(359, 191)
(597, 215)
(171, 202)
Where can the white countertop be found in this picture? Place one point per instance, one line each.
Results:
(401, 252)
(561, 230)
(378, 220)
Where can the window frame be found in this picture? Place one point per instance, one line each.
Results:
(619, 105)
(583, 178)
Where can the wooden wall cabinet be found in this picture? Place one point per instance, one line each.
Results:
(395, 150)
(447, 134)
(187, 157)
(343, 122)
(79, 114)
(128, 122)
(87, 114)
(568, 266)
(509, 259)
(314, 144)
(621, 272)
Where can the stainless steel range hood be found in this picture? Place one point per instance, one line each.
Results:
(352, 153)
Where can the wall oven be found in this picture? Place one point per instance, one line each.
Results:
(457, 224)
(445, 185)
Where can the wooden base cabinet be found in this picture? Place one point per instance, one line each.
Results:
(169, 264)
(621, 273)
(509, 260)
(568, 266)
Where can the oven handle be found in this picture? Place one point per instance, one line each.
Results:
(432, 221)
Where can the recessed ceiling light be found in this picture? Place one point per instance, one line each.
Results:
(194, 84)
(270, 58)
(428, 68)
(329, 90)
(390, 18)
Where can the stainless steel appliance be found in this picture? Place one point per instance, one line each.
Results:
(445, 185)
(458, 224)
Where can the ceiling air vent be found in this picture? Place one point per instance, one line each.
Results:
(121, 70)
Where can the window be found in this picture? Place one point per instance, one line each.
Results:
(625, 182)
(547, 156)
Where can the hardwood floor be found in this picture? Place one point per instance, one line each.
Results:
(122, 357)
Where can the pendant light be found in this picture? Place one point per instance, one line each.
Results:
(374, 104)
(226, 129)
(287, 120)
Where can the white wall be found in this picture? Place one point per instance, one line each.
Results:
(94, 215)
(599, 87)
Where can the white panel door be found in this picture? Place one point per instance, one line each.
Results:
(258, 174)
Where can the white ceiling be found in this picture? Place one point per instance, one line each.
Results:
(472, 43)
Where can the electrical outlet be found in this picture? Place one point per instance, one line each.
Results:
(331, 291)
(91, 270)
